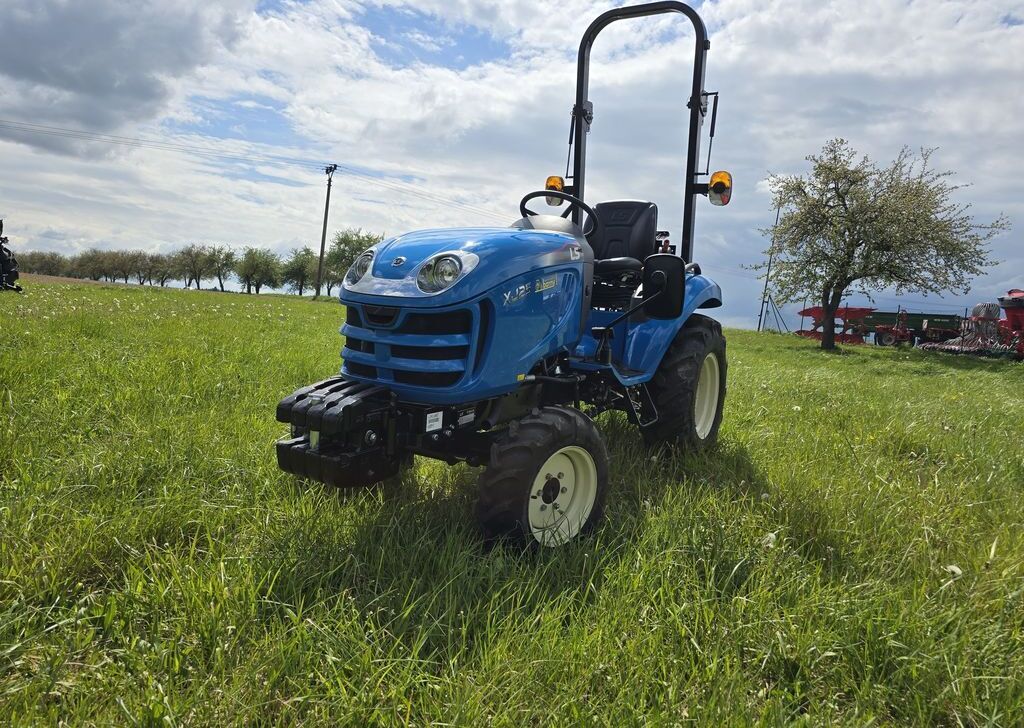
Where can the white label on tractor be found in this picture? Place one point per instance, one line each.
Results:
(434, 421)
(466, 416)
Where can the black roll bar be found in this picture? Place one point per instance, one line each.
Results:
(583, 114)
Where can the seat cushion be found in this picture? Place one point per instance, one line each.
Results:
(614, 267)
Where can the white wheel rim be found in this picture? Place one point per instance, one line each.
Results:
(705, 404)
(562, 496)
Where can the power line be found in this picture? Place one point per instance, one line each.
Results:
(248, 158)
(323, 235)
(399, 186)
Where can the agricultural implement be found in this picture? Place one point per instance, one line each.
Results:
(8, 265)
(984, 334)
(906, 327)
(498, 346)
(850, 327)
(888, 328)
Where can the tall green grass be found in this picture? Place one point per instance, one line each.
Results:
(853, 553)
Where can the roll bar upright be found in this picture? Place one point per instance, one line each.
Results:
(583, 110)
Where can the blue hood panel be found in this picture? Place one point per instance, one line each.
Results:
(503, 254)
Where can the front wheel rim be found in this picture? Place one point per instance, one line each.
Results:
(562, 496)
(705, 404)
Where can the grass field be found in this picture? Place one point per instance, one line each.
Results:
(852, 554)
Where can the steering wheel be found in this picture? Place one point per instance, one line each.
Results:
(574, 202)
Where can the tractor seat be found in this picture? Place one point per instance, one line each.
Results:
(625, 238)
(617, 267)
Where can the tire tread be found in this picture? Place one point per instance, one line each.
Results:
(518, 453)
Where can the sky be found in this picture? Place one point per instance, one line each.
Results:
(443, 113)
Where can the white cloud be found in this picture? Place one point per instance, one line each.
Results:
(427, 42)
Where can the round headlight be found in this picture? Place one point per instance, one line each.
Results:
(359, 268)
(439, 274)
(446, 270)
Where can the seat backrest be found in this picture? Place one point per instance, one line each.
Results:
(628, 229)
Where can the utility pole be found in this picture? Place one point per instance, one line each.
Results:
(768, 273)
(329, 170)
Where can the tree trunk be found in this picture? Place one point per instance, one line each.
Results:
(220, 282)
(831, 297)
(258, 286)
(248, 287)
(330, 285)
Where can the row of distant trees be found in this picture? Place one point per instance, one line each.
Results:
(253, 267)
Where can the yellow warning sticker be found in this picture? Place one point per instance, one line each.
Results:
(544, 284)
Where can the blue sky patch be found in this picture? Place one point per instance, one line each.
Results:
(252, 119)
(249, 174)
(406, 37)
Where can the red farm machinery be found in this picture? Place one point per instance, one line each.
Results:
(848, 323)
(982, 332)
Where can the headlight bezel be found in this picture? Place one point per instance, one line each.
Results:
(465, 260)
(430, 278)
(364, 262)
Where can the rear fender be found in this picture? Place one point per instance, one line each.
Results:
(638, 345)
(647, 341)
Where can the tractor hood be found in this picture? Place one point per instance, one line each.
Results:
(490, 256)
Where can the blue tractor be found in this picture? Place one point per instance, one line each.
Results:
(499, 346)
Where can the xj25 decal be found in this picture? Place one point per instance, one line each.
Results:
(518, 293)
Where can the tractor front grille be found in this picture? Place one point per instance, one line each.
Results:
(430, 353)
(411, 347)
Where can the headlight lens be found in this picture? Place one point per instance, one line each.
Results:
(359, 268)
(438, 274)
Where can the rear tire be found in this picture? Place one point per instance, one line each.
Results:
(688, 388)
(547, 479)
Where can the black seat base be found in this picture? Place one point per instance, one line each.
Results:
(611, 296)
(615, 279)
(617, 267)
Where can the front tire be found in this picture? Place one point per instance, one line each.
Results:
(689, 388)
(547, 479)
